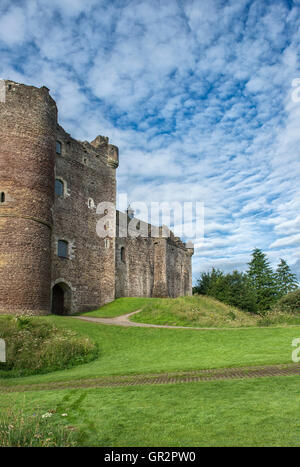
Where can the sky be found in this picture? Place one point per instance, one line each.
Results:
(201, 97)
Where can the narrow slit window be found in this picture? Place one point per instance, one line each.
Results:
(62, 249)
(123, 254)
(59, 187)
(2, 197)
(58, 147)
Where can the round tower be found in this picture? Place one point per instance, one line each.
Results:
(28, 121)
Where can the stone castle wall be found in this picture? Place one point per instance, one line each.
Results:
(89, 178)
(28, 119)
(179, 268)
(36, 154)
(148, 266)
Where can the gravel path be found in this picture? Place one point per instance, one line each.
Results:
(124, 320)
(118, 320)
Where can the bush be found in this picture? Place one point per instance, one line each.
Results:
(290, 303)
(34, 345)
(19, 430)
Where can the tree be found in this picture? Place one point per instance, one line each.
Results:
(241, 292)
(286, 280)
(233, 288)
(206, 280)
(263, 280)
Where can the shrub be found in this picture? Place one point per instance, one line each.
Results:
(290, 303)
(34, 345)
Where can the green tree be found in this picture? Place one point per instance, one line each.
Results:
(233, 288)
(206, 280)
(241, 292)
(286, 280)
(263, 280)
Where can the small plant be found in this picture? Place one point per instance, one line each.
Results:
(24, 321)
(231, 315)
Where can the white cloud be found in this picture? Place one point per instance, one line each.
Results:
(13, 26)
(196, 94)
(293, 240)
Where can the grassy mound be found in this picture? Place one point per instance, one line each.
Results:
(34, 345)
(198, 311)
(195, 311)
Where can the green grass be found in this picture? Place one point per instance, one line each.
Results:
(22, 429)
(121, 306)
(128, 351)
(258, 412)
(204, 311)
(197, 311)
(34, 345)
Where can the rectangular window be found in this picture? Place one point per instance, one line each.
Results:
(58, 147)
(59, 187)
(62, 249)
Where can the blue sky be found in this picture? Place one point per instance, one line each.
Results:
(196, 94)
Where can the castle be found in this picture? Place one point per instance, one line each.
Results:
(51, 257)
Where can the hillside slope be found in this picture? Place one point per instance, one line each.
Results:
(198, 311)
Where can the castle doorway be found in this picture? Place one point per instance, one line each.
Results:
(61, 299)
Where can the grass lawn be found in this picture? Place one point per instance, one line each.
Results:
(127, 351)
(258, 412)
(121, 306)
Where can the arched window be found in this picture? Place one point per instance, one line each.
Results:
(59, 187)
(2, 197)
(62, 249)
(123, 254)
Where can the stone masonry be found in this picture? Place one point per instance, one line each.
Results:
(51, 257)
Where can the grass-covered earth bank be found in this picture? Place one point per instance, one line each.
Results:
(35, 345)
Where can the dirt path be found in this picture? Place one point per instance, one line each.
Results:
(164, 378)
(124, 320)
(118, 320)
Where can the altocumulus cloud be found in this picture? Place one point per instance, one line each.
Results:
(197, 95)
